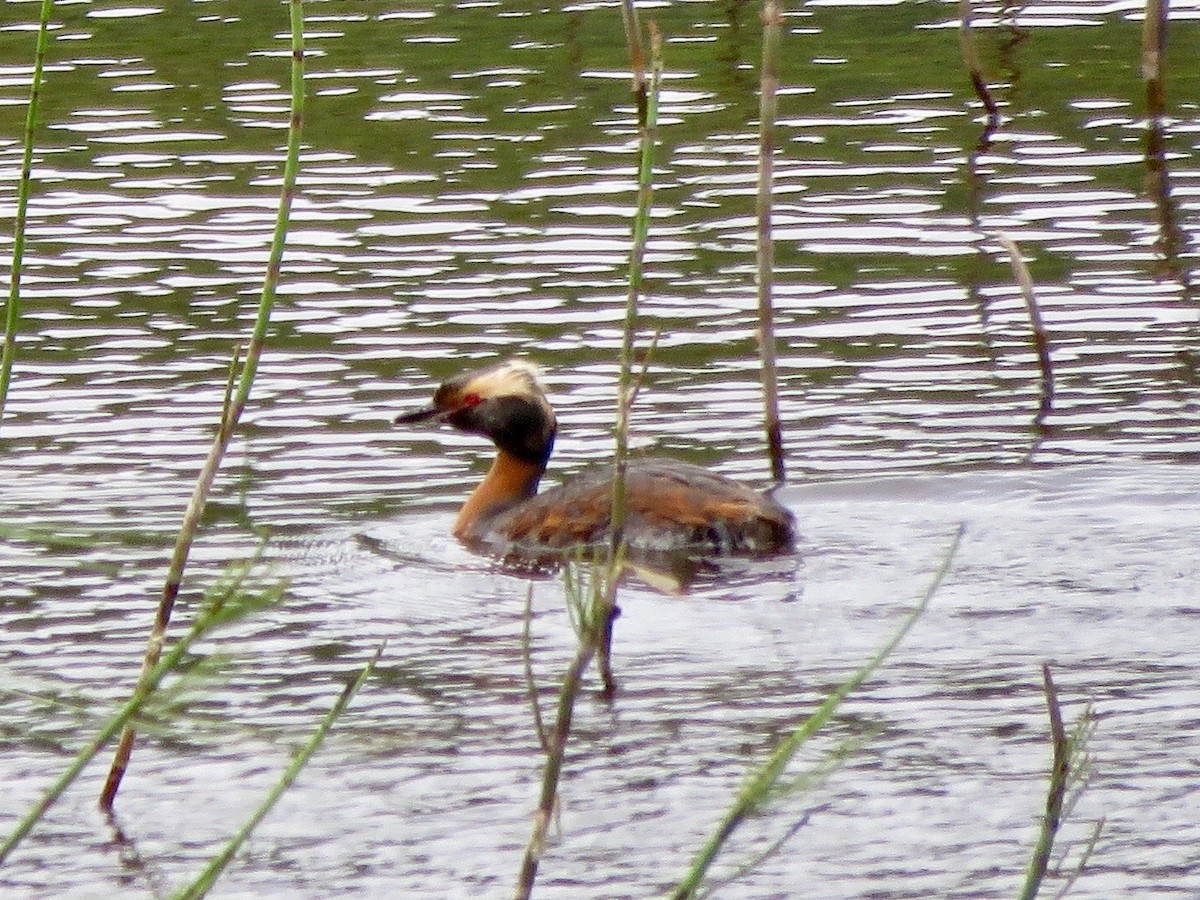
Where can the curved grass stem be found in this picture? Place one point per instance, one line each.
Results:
(228, 603)
(12, 307)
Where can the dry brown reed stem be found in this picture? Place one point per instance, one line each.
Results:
(1154, 54)
(173, 582)
(1172, 240)
(1060, 772)
(637, 54)
(772, 18)
(966, 37)
(1040, 342)
(234, 405)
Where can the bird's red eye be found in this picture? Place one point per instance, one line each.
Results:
(471, 400)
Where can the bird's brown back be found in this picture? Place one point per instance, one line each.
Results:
(670, 506)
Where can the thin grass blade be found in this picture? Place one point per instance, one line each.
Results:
(217, 865)
(760, 782)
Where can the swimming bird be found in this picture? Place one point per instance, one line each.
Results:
(672, 507)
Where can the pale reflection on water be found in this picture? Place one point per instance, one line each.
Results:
(452, 211)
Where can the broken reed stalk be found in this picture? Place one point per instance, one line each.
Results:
(756, 789)
(1040, 342)
(212, 871)
(1060, 773)
(966, 38)
(772, 38)
(1154, 54)
(232, 412)
(12, 308)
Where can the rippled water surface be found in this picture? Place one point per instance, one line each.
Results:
(465, 193)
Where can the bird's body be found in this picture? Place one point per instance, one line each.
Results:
(671, 507)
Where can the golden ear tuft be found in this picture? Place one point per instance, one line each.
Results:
(511, 378)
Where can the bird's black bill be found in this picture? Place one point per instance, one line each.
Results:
(421, 415)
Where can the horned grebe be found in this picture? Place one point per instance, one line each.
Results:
(671, 506)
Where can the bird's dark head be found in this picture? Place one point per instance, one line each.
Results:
(505, 403)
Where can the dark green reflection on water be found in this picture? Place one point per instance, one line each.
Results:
(458, 157)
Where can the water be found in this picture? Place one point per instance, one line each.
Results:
(465, 193)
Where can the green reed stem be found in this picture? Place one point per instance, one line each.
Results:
(645, 91)
(755, 790)
(552, 773)
(768, 105)
(1060, 771)
(12, 308)
(596, 611)
(1070, 772)
(212, 871)
(232, 411)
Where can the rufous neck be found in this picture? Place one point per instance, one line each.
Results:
(509, 481)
